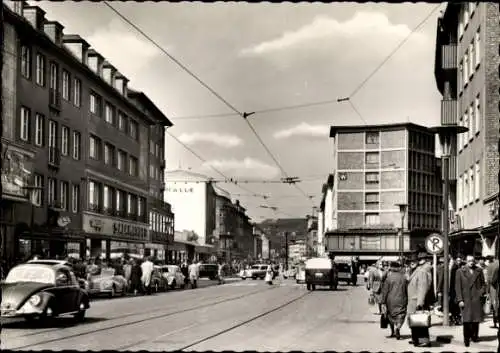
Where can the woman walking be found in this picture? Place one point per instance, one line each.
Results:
(375, 283)
(135, 277)
(394, 298)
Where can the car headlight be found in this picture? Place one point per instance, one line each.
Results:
(35, 300)
(106, 284)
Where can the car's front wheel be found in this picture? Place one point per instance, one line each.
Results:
(80, 315)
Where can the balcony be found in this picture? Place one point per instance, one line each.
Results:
(449, 57)
(55, 99)
(54, 157)
(449, 112)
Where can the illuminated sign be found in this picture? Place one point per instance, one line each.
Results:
(127, 231)
(179, 190)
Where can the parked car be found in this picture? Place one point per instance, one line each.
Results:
(107, 283)
(173, 276)
(42, 290)
(158, 282)
(244, 274)
(210, 271)
(258, 271)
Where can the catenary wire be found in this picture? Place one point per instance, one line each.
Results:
(217, 95)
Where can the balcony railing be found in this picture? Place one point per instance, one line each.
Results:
(55, 99)
(449, 57)
(449, 112)
(54, 157)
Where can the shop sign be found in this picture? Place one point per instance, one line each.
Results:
(179, 189)
(118, 229)
(15, 173)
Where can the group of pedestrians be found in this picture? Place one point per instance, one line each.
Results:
(406, 292)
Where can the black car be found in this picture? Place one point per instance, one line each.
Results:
(43, 289)
(209, 270)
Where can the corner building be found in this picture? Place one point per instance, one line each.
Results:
(467, 75)
(375, 168)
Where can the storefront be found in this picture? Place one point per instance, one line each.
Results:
(106, 235)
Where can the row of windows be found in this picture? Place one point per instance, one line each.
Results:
(113, 117)
(470, 61)
(424, 221)
(114, 202)
(472, 120)
(69, 143)
(425, 183)
(422, 161)
(155, 149)
(466, 14)
(421, 141)
(71, 89)
(161, 223)
(60, 194)
(424, 203)
(469, 186)
(155, 172)
(112, 156)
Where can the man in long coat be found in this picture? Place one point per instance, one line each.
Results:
(492, 283)
(419, 285)
(394, 298)
(470, 288)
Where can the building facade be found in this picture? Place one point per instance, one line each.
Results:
(226, 223)
(312, 236)
(467, 75)
(376, 168)
(275, 230)
(326, 217)
(89, 140)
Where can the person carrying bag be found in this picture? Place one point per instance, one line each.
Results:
(269, 275)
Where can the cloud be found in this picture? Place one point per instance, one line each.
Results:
(211, 137)
(303, 130)
(363, 23)
(246, 168)
(125, 50)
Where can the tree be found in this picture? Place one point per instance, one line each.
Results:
(192, 236)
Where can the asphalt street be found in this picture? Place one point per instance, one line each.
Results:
(243, 315)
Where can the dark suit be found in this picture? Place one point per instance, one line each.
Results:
(453, 305)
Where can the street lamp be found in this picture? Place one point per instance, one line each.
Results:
(402, 211)
(447, 134)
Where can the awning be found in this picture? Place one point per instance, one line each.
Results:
(369, 257)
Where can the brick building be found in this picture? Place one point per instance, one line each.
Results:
(377, 167)
(72, 129)
(467, 75)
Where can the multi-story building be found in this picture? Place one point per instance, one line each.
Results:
(90, 141)
(377, 167)
(312, 236)
(326, 219)
(225, 223)
(467, 75)
(243, 242)
(275, 230)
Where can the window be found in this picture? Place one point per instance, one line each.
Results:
(466, 124)
(461, 74)
(140, 207)
(371, 197)
(37, 199)
(108, 154)
(471, 184)
(40, 69)
(51, 197)
(129, 204)
(26, 61)
(151, 147)
(372, 138)
(372, 157)
(132, 166)
(465, 14)
(460, 192)
(477, 181)
(460, 136)
(65, 141)
(93, 147)
(64, 195)
(157, 150)
(122, 121)
(465, 190)
(24, 124)
(466, 67)
(119, 200)
(66, 85)
(52, 133)
(460, 28)
(39, 120)
(472, 120)
(76, 145)
(121, 160)
(372, 218)
(151, 171)
(372, 178)
(471, 60)
(108, 114)
(93, 195)
(54, 77)
(77, 92)
(75, 198)
(94, 103)
(472, 8)
(477, 40)
(133, 127)
(107, 198)
(477, 113)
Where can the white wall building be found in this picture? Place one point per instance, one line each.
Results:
(193, 202)
(327, 217)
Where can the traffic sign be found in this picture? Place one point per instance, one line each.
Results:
(434, 243)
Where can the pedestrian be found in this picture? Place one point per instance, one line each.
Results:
(470, 288)
(419, 285)
(491, 283)
(185, 273)
(127, 271)
(220, 272)
(375, 284)
(269, 275)
(194, 274)
(147, 270)
(394, 298)
(135, 277)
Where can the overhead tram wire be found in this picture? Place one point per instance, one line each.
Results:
(329, 101)
(244, 115)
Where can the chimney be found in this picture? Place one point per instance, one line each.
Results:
(108, 73)
(54, 30)
(121, 83)
(95, 61)
(77, 46)
(35, 16)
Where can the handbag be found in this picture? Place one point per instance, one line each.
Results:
(487, 305)
(419, 319)
(384, 321)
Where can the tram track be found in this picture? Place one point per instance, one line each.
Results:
(134, 322)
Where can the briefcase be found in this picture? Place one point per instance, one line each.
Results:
(419, 319)
(384, 321)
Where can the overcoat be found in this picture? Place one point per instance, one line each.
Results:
(418, 285)
(395, 296)
(492, 282)
(469, 288)
(375, 281)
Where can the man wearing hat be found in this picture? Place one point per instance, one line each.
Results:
(419, 285)
(394, 298)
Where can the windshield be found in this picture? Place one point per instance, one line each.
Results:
(108, 272)
(255, 267)
(31, 273)
(343, 267)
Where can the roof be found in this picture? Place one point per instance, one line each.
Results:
(360, 128)
(148, 103)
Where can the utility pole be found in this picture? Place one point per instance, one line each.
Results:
(286, 251)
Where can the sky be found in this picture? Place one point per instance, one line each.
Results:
(262, 56)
